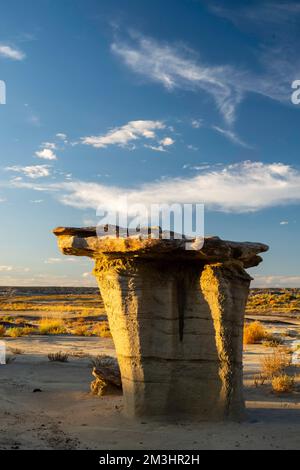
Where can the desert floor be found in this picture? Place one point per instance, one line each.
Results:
(64, 415)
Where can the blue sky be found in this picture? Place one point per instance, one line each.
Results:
(180, 98)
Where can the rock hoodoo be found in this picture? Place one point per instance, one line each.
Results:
(176, 317)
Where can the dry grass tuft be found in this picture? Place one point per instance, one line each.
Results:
(82, 330)
(7, 319)
(79, 354)
(273, 365)
(283, 384)
(19, 321)
(58, 357)
(103, 360)
(18, 332)
(49, 326)
(255, 333)
(273, 342)
(2, 330)
(102, 330)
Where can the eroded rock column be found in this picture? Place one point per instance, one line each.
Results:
(176, 317)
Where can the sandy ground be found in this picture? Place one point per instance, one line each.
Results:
(64, 415)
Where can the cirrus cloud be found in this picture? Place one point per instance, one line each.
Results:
(174, 67)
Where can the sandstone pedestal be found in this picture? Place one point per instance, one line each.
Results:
(176, 317)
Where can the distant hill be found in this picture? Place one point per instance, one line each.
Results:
(16, 291)
(274, 300)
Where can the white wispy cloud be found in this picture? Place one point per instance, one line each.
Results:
(192, 147)
(89, 222)
(60, 260)
(276, 281)
(201, 167)
(155, 148)
(87, 275)
(61, 136)
(284, 222)
(283, 15)
(162, 145)
(33, 171)
(176, 67)
(46, 153)
(46, 280)
(242, 187)
(179, 67)
(276, 26)
(10, 52)
(231, 135)
(53, 260)
(6, 268)
(16, 269)
(197, 123)
(167, 141)
(123, 136)
(49, 145)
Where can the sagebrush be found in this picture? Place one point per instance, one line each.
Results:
(58, 357)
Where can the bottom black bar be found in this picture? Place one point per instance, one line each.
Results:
(130, 459)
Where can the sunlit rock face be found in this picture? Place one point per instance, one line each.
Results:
(176, 317)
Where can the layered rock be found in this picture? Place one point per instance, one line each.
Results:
(107, 375)
(176, 317)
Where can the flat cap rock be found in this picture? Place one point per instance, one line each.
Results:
(92, 242)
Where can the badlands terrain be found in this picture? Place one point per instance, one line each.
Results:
(46, 404)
